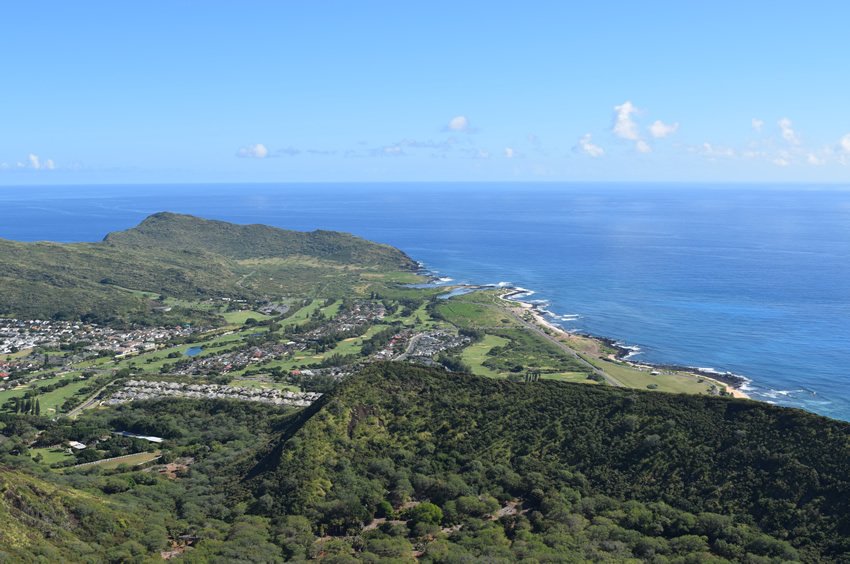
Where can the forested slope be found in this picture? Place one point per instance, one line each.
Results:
(654, 474)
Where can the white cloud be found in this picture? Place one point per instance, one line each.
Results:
(624, 126)
(788, 132)
(458, 123)
(586, 146)
(714, 151)
(642, 146)
(509, 153)
(844, 150)
(659, 129)
(393, 150)
(35, 163)
(815, 160)
(783, 159)
(757, 124)
(754, 154)
(845, 144)
(256, 151)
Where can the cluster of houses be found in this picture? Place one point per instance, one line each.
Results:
(234, 360)
(424, 346)
(143, 389)
(19, 334)
(420, 347)
(349, 319)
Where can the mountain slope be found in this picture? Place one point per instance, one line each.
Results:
(43, 522)
(189, 258)
(575, 454)
(185, 232)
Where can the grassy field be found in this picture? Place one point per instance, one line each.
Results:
(475, 355)
(577, 377)
(330, 311)
(240, 317)
(51, 455)
(49, 401)
(470, 315)
(132, 460)
(19, 354)
(675, 382)
(302, 314)
(396, 277)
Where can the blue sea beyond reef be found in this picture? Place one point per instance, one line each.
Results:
(749, 279)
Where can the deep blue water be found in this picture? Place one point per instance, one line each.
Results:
(194, 351)
(754, 280)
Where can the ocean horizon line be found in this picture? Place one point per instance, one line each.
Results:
(719, 184)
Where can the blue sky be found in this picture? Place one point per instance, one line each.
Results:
(255, 91)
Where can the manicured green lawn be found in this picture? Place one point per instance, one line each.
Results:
(331, 310)
(51, 455)
(475, 354)
(49, 401)
(240, 317)
(302, 314)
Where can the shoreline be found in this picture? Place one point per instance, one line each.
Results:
(732, 383)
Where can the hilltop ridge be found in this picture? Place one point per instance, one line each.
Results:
(186, 232)
(743, 480)
(190, 258)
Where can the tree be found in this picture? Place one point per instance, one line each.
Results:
(37, 407)
(425, 513)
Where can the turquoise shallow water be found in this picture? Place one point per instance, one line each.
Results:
(753, 280)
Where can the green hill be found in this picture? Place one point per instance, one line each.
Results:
(598, 472)
(187, 258)
(238, 242)
(44, 522)
(401, 462)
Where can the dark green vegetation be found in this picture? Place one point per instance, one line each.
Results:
(599, 470)
(401, 461)
(191, 259)
(132, 514)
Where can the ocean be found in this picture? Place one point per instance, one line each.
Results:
(753, 280)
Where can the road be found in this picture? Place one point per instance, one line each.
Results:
(410, 346)
(537, 330)
(89, 402)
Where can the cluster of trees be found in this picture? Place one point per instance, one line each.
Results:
(28, 404)
(379, 340)
(127, 515)
(458, 468)
(600, 473)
